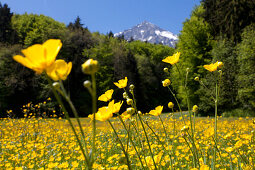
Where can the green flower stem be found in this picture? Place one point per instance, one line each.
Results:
(215, 125)
(140, 119)
(69, 120)
(130, 138)
(186, 92)
(177, 104)
(162, 144)
(152, 156)
(94, 110)
(194, 157)
(121, 144)
(66, 96)
(174, 123)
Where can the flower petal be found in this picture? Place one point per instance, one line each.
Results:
(52, 47)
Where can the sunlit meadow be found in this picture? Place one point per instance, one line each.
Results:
(49, 143)
(49, 139)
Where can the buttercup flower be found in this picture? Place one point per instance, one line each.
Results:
(90, 66)
(166, 82)
(106, 96)
(214, 66)
(195, 108)
(121, 83)
(157, 111)
(59, 70)
(40, 57)
(105, 113)
(116, 107)
(125, 115)
(170, 105)
(172, 59)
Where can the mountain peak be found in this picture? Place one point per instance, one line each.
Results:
(149, 32)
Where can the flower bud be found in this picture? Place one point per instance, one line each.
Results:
(87, 84)
(56, 85)
(166, 70)
(139, 112)
(131, 87)
(130, 110)
(220, 64)
(170, 105)
(125, 95)
(187, 69)
(90, 66)
(129, 101)
(196, 78)
(220, 71)
(166, 82)
(195, 109)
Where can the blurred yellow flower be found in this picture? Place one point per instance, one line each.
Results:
(116, 107)
(172, 59)
(195, 108)
(125, 115)
(166, 82)
(40, 57)
(90, 66)
(59, 70)
(170, 105)
(213, 67)
(157, 111)
(121, 83)
(106, 96)
(204, 167)
(105, 113)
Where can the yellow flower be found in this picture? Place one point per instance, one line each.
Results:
(185, 128)
(157, 111)
(40, 57)
(106, 96)
(105, 113)
(59, 70)
(90, 66)
(121, 83)
(214, 66)
(170, 105)
(172, 59)
(229, 149)
(116, 107)
(166, 82)
(195, 108)
(125, 115)
(204, 167)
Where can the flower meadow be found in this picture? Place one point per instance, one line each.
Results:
(108, 139)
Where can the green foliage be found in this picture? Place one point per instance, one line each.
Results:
(246, 76)
(224, 51)
(18, 84)
(195, 44)
(229, 17)
(34, 29)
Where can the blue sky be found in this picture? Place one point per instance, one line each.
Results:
(110, 15)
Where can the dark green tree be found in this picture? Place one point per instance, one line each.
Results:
(224, 51)
(229, 17)
(7, 34)
(246, 76)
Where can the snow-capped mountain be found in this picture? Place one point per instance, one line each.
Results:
(151, 33)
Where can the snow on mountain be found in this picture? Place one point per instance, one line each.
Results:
(151, 33)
